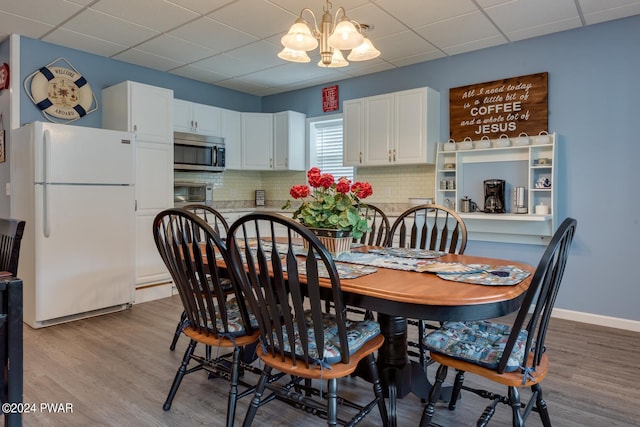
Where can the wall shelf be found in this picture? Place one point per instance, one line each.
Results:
(518, 166)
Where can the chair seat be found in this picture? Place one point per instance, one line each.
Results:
(234, 320)
(212, 340)
(510, 379)
(480, 342)
(358, 333)
(337, 370)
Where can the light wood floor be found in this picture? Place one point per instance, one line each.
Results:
(116, 370)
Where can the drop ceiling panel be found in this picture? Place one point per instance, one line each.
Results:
(214, 35)
(459, 30)
(49, 12)
(415, 13)
(159, 15)
(28, 27)
(83, 42)
(173, 47)
(149, 60)
(256, 17)
(110, 28)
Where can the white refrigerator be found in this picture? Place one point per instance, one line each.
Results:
(74, 187)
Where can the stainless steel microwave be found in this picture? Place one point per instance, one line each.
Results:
(193, 152)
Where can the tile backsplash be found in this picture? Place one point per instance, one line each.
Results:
(392, 185)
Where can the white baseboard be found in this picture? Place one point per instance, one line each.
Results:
(597, 319)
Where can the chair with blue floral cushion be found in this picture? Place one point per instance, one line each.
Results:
(217, 222)
(214, 318)
(512, 355)
(301, 339)
(431, 227)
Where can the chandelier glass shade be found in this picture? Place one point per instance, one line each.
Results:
(332, 36)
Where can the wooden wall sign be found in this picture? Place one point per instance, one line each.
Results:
(509, 106)
(330, 98)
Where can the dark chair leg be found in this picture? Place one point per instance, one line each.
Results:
(255, 402)
(514, 401)
(434, 395)
(332, 402)
(233, 388)
(179, 375)
(183, 317)
(455, 392)
(377, 389)
(421, 349)
(541, 404)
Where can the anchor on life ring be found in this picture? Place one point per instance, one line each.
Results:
(61, 92)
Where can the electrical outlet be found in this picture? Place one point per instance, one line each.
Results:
(7, 189)
(387, 191)
(233, 192)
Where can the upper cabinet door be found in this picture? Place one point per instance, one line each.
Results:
(257, 141)
(231, 131)
(417, 131)
(197, 118)
(182, 116)
(353, 132)
(135, 107)
(207, 119)
(289, 140)
(152, 113)
(379, 128)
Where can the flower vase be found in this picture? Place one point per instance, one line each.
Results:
(336, 241)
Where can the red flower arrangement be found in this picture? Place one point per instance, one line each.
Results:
(332, 204)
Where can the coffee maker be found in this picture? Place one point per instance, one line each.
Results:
(494, 196)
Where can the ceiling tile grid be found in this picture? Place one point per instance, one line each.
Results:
(234, 43)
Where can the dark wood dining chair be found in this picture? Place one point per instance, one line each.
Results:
(379, 226)
(377, 235)
(213, 318)
(11, 231)
(513, 354)
(432, 227)
(212, 217)
(220, 226)
(285, 284)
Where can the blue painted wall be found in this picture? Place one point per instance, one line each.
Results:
(594, 91)
(103, 72)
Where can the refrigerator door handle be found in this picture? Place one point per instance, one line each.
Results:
(46, 226)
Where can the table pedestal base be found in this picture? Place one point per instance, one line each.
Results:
(398, 374)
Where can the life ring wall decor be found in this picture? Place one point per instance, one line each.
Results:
(60, 92)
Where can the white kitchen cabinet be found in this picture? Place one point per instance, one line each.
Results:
(353, 132)
(139, 108)
(417, 126)
(460, 173)
(273, 141)
(231, 131)
(257, 141)
(147, 111)
(289, 141)
(192, 117)
(392, 129)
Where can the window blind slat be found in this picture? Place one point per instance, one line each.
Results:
(328, 143)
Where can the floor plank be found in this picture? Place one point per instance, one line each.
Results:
(116, 370)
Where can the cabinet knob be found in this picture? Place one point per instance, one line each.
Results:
(394, 154)
(389, 156)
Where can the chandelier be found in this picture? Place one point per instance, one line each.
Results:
(334, 37)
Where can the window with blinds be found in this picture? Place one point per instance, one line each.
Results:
(327, 141)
